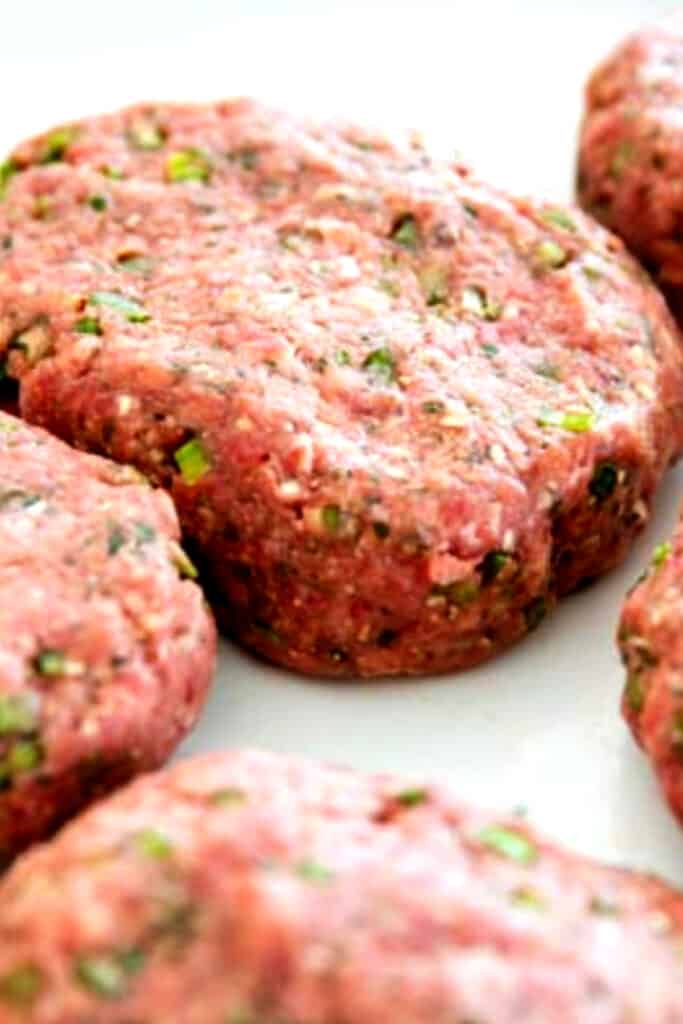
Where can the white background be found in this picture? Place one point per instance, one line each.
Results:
(500, 83)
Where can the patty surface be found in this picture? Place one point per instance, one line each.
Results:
(399, 412)
(631, 150)
(254, 887)
(651, 642)
(105, 652)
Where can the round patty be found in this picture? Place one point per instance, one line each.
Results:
(105, 652)
(631, 151)
(651, 642)
(253, 887)
(399, 412)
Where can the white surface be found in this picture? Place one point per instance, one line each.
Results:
(501, 83)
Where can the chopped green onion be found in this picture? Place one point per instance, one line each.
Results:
(406, 232)
(433, 406)
(527, 898)
(22, 986)
(108, 976)
(131, 309)
(17, 714)
(507, 842)
(188, 165)
(311, 871)
(623, 155)
(559, 219)
(434, 284)
(577, 422)
(8, 168)
(491, 565)
(661, 553)
(144, 534)
(412, 797)
(115, 540)
(193, 461)
(23, 757)
(51, 663)
(550, 255)
(342, 357)
(331, 517)
(381, 365)
(230, 796)
(490, 350)
(98, 203)
(88, 325)
(153, 844)
(57, 143)
(634, 693)
(183, 563)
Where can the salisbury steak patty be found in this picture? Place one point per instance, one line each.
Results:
(105, 652)
(398, 411)
(651, 642)
(249, 887)
(631, 157)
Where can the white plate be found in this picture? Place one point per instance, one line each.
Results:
(501, 82)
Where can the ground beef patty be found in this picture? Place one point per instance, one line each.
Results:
(251, 887)
(631, 156)
(398, 411)
(105, 652)
(651, 642)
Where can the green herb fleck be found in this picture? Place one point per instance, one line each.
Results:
(342, 357)
(432, 407)
(623, 155)
(131, 309)
(188, 165)
(381, 365)
(412, 797)
(312, 871)
(88, 325)
(50, 662)
(661, 553)
(134, 264)
(460, 593)
(507, 842)
(98, 203)
(406, 232)
(490, 350)
(115, 540)
(24, 756)
(229, 796)
(17, 714)
(331, 517)
(634, 693)
(550, 255)
(57, 143)
(144, 533)
(476, 301)
(153, 844)
(576, 422)
(108, 976)
(193, 461)
(8, 168)
(112, 172)
(559, 219)
(22, 986)
(527, 898)
(603, 481)
(491, 565)
(247, 158)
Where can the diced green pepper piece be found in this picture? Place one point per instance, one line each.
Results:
(193, 461)
(131, 309)
(507, 842)
(576, 422)
(406, 232)
(412, 797)
(476, 301)
(188, 165)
